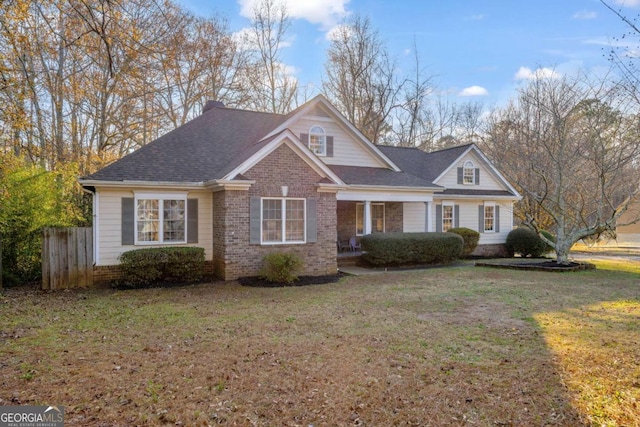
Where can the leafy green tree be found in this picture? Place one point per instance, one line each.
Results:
(32, 198)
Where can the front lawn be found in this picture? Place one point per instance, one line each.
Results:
(448, 346)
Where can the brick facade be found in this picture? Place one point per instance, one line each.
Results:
(393, 213)
(234, 256)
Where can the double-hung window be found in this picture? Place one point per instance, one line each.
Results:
(489, 217)
(448, 219)
(160, 219)
(377, 218)
(283, 220)
(318, 141)
(468, 173)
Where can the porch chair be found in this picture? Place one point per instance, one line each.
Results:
(353, 245)
(343, 244)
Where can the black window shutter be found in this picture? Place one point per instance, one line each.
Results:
(128, 221)
(192, 220)
(477, 176)
(438, 218)
(254, 220)
(460, 172)
(496, 220)
(312, 220)
(456, 216)
(481, 219)
(329, 146)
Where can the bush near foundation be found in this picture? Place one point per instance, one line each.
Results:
(281, 267)
(470, 237)
(144, 267)
(391, 249)
(526, 242)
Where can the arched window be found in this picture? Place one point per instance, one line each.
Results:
(318, 141)
(468, 173)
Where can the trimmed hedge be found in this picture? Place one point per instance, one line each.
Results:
(281, 267)
(386, 249)
(143, 267)
(470, 237)
(526, 242)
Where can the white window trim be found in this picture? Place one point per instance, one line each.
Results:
(453, 215)
(384, 218)
(284, 221)
(324, 135)
(484, 218)
(465, 166)
(161, 197)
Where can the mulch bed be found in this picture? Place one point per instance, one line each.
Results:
(258, 282)
(548, 265)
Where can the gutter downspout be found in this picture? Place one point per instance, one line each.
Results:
(94, 222)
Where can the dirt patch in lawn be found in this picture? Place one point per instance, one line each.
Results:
(490, 314)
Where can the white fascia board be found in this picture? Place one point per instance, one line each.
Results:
(342, 120)
(286, 137)
(385, 194)
(222, 184)
(474, 197)
(487, 162)
(141, 184)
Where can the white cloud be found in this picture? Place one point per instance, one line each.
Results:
(585, 14)
(478, 17)
(525, 73)
(338, 32)
(326, 13)
(474, 91)
(628, 3)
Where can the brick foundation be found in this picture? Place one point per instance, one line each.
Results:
(497, 250)
(106, 275)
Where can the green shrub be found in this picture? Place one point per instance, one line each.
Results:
(525, 241)
(281, 267)
(470, 237)
(143, 267)
(411, 248)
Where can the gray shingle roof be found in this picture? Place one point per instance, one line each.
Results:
(202, 149)
(355, 175)
(427, 166)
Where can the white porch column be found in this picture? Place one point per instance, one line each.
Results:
(428, 217)
(367, 217)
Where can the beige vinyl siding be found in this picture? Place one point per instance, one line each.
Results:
(487, 181)
(110, 225)
(469, 218)
(413, 217)
(346, 150)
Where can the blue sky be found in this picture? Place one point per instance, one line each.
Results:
(478, 50)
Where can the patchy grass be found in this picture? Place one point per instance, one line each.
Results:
(448, 346)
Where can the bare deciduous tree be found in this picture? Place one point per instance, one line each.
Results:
(271, 86)
(571, 147)
(360, 78)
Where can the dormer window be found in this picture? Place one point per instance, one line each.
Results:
(468, 173)
(318, 141)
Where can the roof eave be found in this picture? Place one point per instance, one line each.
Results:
(146, 184)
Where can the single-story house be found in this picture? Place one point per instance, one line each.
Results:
(241, 184)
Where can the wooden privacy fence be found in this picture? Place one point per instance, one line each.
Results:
(67, 257)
